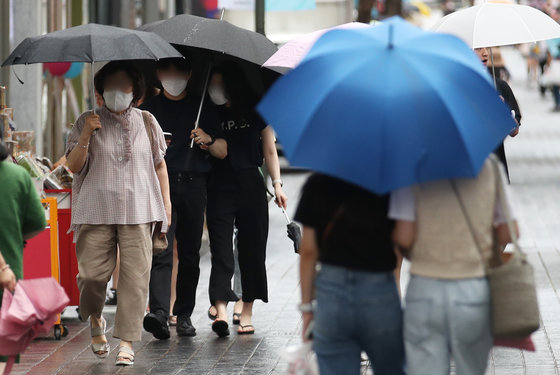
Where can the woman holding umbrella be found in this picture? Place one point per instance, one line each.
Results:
(120, 191)
(237, 196)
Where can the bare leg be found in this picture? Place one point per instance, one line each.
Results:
(221, 308)
(174, 278)
(238, 307)
(246, 324)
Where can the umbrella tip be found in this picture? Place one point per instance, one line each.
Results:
(390, 36)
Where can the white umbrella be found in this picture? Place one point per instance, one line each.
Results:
(499, 24)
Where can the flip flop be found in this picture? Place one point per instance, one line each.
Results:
(241, 330)
(236, 318)
(210, 316)
(103, 347)
(125, 361)
(221, 328)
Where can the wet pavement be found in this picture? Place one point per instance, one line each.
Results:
(535, 172)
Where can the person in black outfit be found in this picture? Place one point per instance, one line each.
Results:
(175, 109)
(352, 296)
(508, 97)
(237, 197)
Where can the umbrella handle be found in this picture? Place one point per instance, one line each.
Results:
(286, 215)
(93, 92)
(493, 69)
(202, 100)
(205, 87)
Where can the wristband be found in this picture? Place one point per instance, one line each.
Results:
(307, 307)
(212, 140)
(278, 181)
(6, 267)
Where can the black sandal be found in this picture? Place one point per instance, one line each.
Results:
(221, 328)
(236, 318)
(241, 330)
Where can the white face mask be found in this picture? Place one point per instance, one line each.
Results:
(217, 95)
(175, 87)
(117, 101)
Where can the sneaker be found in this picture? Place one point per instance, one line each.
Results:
(157, 326)
(185, 327)
(111, 299)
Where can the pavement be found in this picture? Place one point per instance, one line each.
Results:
(535, 173)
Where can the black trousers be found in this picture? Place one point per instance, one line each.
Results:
(188, 198)
(246, 208)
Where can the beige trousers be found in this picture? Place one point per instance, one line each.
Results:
(96, 250)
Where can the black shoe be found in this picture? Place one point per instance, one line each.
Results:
(221, 328)
(157, 326)
(111, 299)
(185, 327)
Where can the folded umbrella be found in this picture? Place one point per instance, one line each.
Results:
(387, 107)
(494, 24)
(294, 231)
(291, 53)
(91, 43)
(30, 311)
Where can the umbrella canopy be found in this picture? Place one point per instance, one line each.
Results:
(214, 35)
(387, 107)
(91, 43)
(31, 310)
(495, 24)
(291, 53)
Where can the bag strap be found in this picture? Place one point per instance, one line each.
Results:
(148, 126)
(468, 221)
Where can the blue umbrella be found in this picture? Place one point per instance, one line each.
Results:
(388, 106)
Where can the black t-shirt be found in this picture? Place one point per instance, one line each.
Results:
(351, 224)
(178, 117)
(245, 148)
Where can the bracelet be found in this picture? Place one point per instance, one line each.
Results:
(307, 307)
(212, 140)
(86, 146)
(278, 181)
(6, 267)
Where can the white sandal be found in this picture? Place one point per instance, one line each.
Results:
(103, 347)
(125, 361)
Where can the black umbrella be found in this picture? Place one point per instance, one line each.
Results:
(214, 35)
(91, 43)
(219, 39)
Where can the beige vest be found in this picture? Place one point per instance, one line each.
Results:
(444, 247)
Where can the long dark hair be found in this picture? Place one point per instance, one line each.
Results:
(237, 87)
(3, 151)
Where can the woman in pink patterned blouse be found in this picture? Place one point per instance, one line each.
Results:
(120, 191)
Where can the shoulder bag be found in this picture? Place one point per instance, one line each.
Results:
(514, 305)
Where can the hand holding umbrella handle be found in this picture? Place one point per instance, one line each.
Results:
(286, 215)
